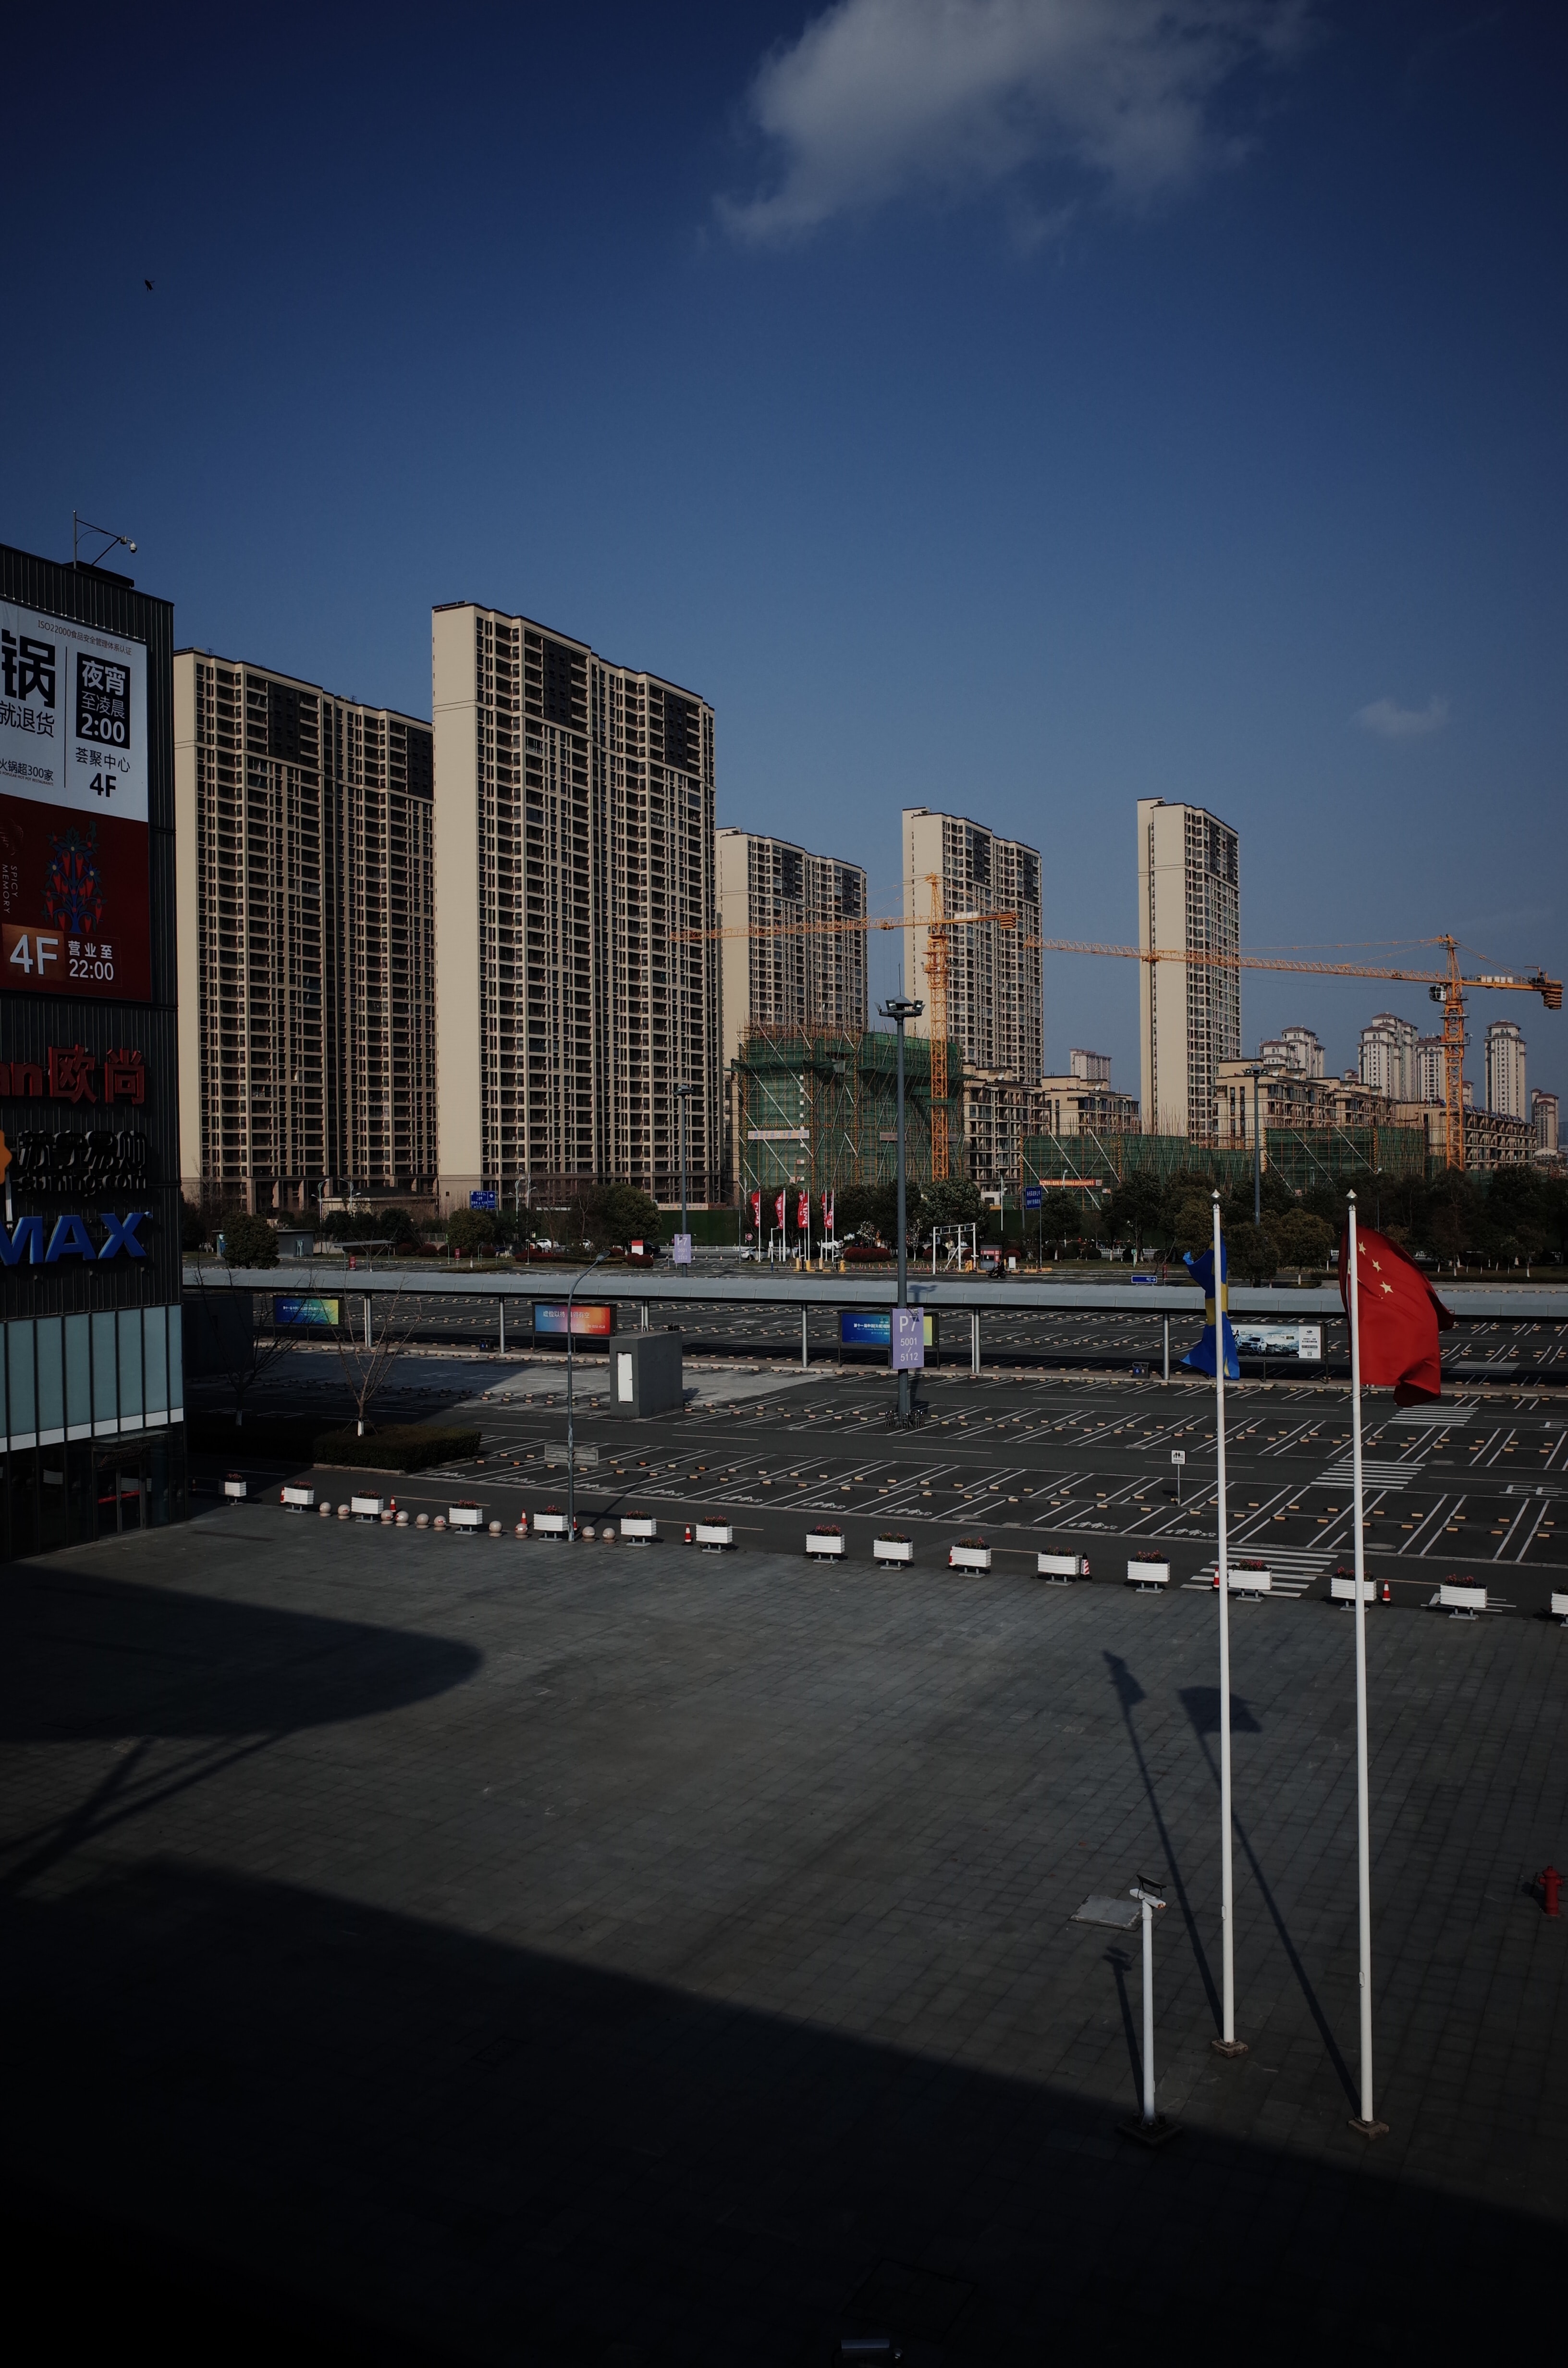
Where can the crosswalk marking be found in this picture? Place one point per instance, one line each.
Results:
(1373, 1474)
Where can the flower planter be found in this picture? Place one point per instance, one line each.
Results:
(1560, 1609)
(299, 1500)
(1148, 1577)
(641, 1528)
(236, 1487)
(1460, 1599)
(550, 1525)
(1244, 1582)
(969, 1558)
(714, 1534)
(1343, 1590)
(824, 1541)
(1061, 1568)
(366, 1508)
(892, 1550)
(465, 1517)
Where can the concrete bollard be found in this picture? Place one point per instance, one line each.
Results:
(343, 1513)
(495, 1528)
(608, 1533)
(325, 1512)
(521, 1531)
(422, 1521)
(403, 1520)
(387, 1521)
(587, 1529)
(440, 1521)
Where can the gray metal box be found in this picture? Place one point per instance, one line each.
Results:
(647, 1374)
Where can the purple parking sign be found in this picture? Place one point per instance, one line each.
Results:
(908, 1340)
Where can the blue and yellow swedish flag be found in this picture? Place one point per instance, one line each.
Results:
(1201, 1358)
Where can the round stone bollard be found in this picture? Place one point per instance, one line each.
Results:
(587, 1529)
(495, 1528)
(521, 1531)
(403, 1520)
(343, 1513)
(325, 1512)
(387, 1520)
(440, 1521)
(422, 1521)
(609, 1533)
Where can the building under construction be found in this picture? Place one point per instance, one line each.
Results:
(1298, 1156)
(817, 1110)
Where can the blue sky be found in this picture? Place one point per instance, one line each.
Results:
(1019, 405)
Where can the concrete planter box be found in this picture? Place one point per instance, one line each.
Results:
(641, 1528)
(1061, 1567)
(1461, 1602)
(1560, 1609)
(1343, 1590)
(299, 1500)
(892, 1550)
(969, 1558)
(715, 1533)
(236, 1487)
(816, 1544)
(550, 1525)
(1148, 1576)
(366, 1508)
(1247, 1582)
(465, 1517)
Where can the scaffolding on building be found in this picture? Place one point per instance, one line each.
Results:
(1299, 1157)
(816, 1110)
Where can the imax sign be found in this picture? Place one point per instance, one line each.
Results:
(23, 1243)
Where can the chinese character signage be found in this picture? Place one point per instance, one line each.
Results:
(74, 907)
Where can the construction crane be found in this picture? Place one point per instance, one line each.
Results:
(1446, 987)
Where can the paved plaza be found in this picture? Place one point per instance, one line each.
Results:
(429, 1948)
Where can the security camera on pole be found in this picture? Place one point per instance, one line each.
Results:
(570, 1443)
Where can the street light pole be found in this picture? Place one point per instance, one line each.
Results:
(683, 1094)
(571, 1457)
(1255, 1073)
(900, 1010)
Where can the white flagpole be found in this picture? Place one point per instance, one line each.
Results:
(1366, 2121)
(1229, 2044)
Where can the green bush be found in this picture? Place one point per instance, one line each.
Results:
(249, 1241)
(402, 1447)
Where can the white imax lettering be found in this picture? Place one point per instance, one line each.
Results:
(23, 1243)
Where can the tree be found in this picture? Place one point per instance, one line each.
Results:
(470, 1230)
(368, 1363)
(249, 1241)
(622, 1214)
(193, 1233)
(1194, 1226)
(1251, 1254)
(950, 1200)
(1304, 1239)
(1134, 1210)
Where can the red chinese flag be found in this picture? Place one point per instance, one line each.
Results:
(1401, 1318)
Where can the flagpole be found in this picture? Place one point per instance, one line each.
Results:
(1366, 2121)
(1228, 2044)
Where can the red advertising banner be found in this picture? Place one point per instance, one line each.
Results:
(74, 898)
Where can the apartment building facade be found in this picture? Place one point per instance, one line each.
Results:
(1543, 1121)
(1284, 1096)
(575, 879)
(305, 908)
(1506, 1089)
(802, 970)
(994, 1007)
(1389, 1060)
(1190, 1005)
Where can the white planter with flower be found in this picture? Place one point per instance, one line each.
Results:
(893, 1550)
(824, 1541)
(969, 1553)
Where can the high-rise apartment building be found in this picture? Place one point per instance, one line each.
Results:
(1430, 1073)
(1190, 1011)
(994, 1011)
(811, 974)
(1506, 1091)
(305, 904)
(1389, 1061)
(573, 849)
(1543, 1119)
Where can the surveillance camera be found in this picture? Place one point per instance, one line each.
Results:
(130, 546)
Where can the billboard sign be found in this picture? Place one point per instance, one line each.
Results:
(1033, 1197)
(871, 1328)
(481, 1200)
(75, 896)
(306, 1308)
(588, 1323)
(1304, 1340)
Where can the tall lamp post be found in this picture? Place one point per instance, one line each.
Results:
(900, 1010)
(571, 1457)
(683, 1094)
(1255, 1073)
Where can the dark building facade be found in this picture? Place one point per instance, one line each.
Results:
(92, 1437)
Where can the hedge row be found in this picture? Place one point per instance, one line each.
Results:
(292, 1439)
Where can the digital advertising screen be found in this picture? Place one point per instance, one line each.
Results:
(588, 1323)
(1304, 1340)
(306, 1308)
(871, 1328)
(75, 897)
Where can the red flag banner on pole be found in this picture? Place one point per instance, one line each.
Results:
(1401, 1318)
(756, 1211)
(803, 1212)
(778, 1211)
(827, 1213)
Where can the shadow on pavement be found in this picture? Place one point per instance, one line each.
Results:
(234, 2105)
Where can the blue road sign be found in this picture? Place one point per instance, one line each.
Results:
(1033, 1197)
(481, 1200)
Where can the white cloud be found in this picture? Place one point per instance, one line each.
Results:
(880, 99)
(1391, 721)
